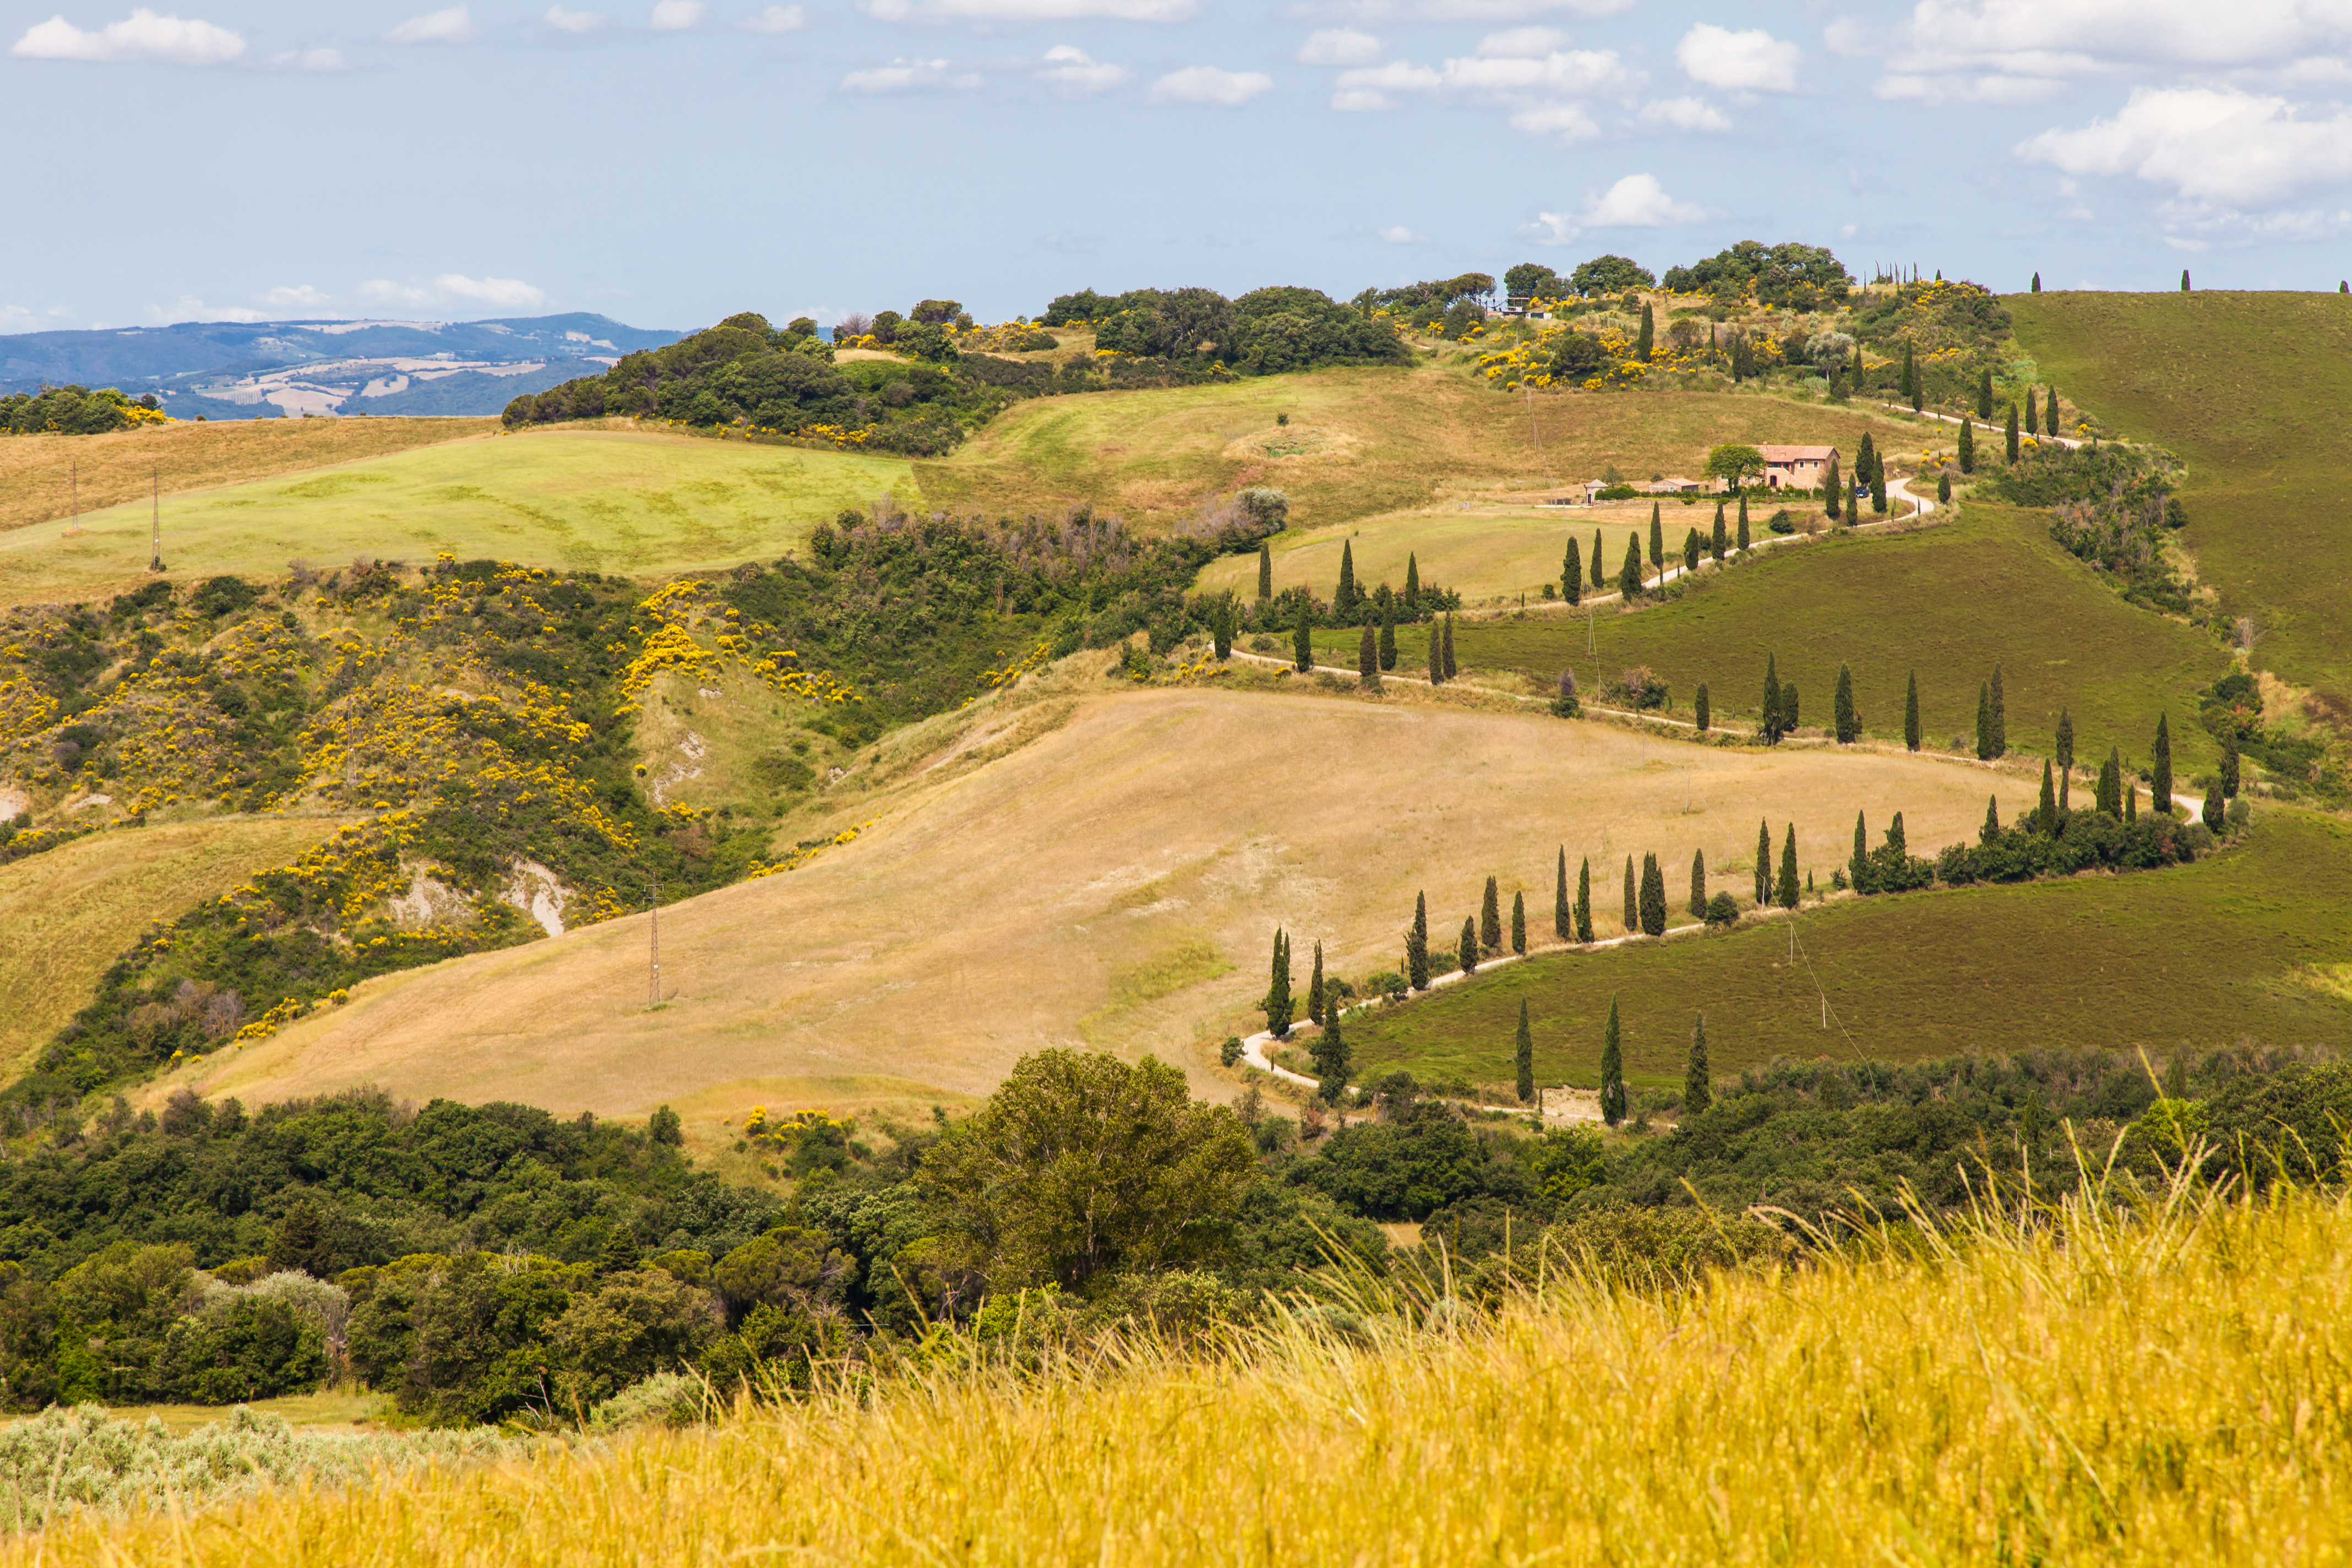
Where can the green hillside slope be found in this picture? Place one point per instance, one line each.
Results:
(2254, 389)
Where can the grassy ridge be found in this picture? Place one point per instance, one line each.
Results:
(2253, 390)
(1948, 602)
(2203, 955)
(640, 503)
(1765, 1417)
(1358, 443)
(39, 473)
(69, 912)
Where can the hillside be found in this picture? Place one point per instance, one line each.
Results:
(2254, 391)
(1066, 863)
(642, 502)
(39, 474)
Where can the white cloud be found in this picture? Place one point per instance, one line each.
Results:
(2217, 146)
(309, 60)
(1998, 91)
(1521, 43)
(776, 19)
(1374, 13)
(1684, 114)
(456, 287)
(294, 297)
(188, 308)
(911, 76)
(454, 26)
(564, 21)
(675, 16)
(1402, 235)
(1020, 13)
(1544, 96)
(1339, 47)
(1752, 61)
(1209, 85)
(2017, 49)
(169, 40)
(1071, 74)
(1638, 201)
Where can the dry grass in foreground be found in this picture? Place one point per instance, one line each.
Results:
(2168, 1384)
(38, 473)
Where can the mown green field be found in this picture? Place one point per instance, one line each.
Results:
(2204, 955)
(2253, 390)
(1948, 602)
(632, 502)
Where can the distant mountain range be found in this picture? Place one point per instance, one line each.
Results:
(261, 370)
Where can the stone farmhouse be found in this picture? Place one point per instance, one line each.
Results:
(1798, 467)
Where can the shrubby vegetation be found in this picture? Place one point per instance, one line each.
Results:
(1265, 333)
(76, 411)
(1788, 276)
(2111, 506)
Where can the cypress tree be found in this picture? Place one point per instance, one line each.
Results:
(2213, 812)
(1771, 710)
(2050, 412)
(1519, 924)
(1894, 835)
(2229, 765)
(1411, 586)
(1368, 657)
(1571, 574)
(2064, 749)
(2131, 799)
(2037, 283)
(1984, 395)
(1878, 489)
(1583, 910)
(1653, 897)
(1911, 393)
(1649, 329)
(2012, 431)
(1632, 899)
(1990, 832)
(1334, 1063)
(1911, 714)
(1968, 446)
(1221, 629)
(1343, 597)
(1763, 864)
(1613, 1071)
(1436, 657)
(1698, 1081)
(1658, 542)
(1315, 1002)
(1468, 955)
(1490, 920)
(1265, 572)
(2033, 419)
(1743, 522)
(1302, 638)
(1599, 572)
(2045, 815)
(1788, 711)
(2000, 718)
(1943, 487)
(1702, 716)
(1984, 723)
(2184, 281)
(1833, 492)
(1523, 1058)
(1857, 870)
(1787, 889)
(2160, 768)
(1865, 461)
(1719, 539)
(1848, 725)
(1698, 885)
(1563, 915)
(1416, 944)
(1277, 995)
(1388, 628)
(1451, 669)
(1629, 579)
(1690, 551)
(2111, 783)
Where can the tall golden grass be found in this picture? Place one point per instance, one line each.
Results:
(2163, 1379)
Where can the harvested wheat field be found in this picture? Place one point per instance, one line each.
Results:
(1070, 865)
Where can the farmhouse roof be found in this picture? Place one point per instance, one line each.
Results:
(1798, 454)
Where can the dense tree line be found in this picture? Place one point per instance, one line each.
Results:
(1266, 332)
(1788, 276)
(75, 410)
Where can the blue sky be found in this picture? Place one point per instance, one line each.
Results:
(668, 162)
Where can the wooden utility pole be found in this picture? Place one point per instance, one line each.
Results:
(156, 560)
(654, 1000)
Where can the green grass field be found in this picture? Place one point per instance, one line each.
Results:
(69, 912)
(1950, 602)
(2204, 955)
(1359, 443)
(2254, 391)
(637, 503)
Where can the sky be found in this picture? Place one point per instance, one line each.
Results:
(668, 163)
